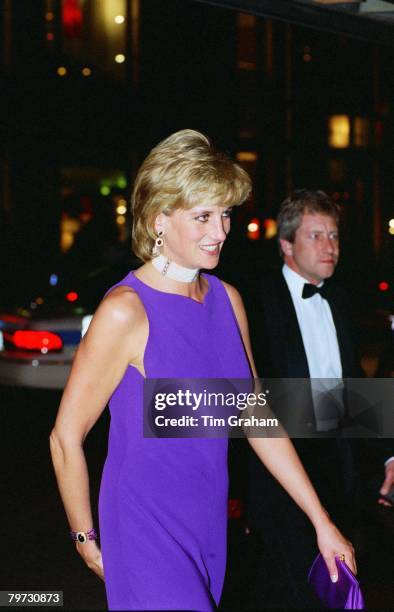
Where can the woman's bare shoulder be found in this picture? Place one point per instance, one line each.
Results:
(233, 294)
(121, 308)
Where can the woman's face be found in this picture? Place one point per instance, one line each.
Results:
(194, 238)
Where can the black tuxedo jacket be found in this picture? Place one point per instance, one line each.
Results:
(279, 350)
(276, 336)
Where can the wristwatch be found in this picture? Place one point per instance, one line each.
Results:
(83, 536)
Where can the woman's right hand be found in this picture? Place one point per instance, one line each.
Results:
(91, 554)
(333, 544)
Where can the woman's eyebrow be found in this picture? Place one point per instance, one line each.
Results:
(200, 211)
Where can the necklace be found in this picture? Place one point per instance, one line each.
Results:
(172, 270)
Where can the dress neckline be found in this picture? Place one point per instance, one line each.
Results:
(178, 295)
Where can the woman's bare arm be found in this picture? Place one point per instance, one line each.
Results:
(281, 459)
(116, 337)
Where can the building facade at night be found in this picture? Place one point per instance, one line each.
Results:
(90, 85)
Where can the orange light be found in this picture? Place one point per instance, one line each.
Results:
(271, 228)
(62, 71)
(383, 286)
(339, 131)
(72, 296)
(246, 156)
(86, 71)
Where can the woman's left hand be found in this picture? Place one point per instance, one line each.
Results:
(333, 544)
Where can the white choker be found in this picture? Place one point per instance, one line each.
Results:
(172, 270)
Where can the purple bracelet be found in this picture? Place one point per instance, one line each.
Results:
(83, 536)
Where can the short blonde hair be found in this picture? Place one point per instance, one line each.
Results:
(178, 172)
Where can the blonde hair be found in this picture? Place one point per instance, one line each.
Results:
(177, 173)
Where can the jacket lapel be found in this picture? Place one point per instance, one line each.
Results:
(297, 364)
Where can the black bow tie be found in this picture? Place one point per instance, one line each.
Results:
(310, 290)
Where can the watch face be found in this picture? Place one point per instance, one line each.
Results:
(81, 537)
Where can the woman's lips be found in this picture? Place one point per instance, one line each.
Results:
(210, 249)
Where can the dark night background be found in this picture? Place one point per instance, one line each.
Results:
(83, 99)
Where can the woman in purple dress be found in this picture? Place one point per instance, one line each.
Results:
(163, 501)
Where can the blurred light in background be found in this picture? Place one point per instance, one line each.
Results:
(53, 280)
(91, 34)
(383, 286)
(121, 209)
(72, 296)
(86, 71)
(360, 131)
(121, 182)
(246, 156)
(253, 226)
(72, 18)
(391, 223)
(253, 229)
(120, 220)
(105, 190)
(271, 228)
(69, 227)
(339, 131)
(37, 340)
(62, 71)
(307, 57)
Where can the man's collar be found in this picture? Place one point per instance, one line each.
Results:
(295, 281)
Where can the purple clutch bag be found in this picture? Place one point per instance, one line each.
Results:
(342, 595)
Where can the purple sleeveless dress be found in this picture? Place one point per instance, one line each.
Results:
(163, 502)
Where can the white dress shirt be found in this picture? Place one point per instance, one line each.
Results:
(320, 341)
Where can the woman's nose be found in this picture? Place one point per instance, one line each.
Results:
(218, 230)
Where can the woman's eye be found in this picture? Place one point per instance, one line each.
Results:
(202, 218)
(227, 213)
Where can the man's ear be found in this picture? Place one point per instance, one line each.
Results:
(161, 222)
(286, 246)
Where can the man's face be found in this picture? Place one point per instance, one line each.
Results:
(315, 250)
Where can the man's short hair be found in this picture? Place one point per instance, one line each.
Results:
(299, 202)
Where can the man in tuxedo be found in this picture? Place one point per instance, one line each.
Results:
(301, 329)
